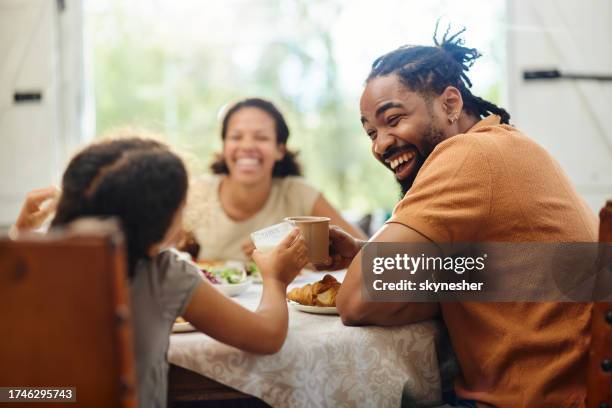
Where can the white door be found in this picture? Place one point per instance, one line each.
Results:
(570, 118)
(40, 95)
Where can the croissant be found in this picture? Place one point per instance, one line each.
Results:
(303, 295)
(321, 293)
(327, 298)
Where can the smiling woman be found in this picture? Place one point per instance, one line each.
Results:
(256, 120)
(256, 183)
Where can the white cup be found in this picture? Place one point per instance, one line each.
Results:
(268, 238)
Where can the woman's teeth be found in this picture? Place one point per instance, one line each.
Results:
(401, 159)
(247, 162)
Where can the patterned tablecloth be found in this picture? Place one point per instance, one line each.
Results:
(322, 363)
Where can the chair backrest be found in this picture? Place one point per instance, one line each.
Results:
(64, 309)
(599, 392)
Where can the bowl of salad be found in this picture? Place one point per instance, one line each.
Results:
(253, 272)
(230, 277)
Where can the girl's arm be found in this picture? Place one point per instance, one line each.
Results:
(264, 330)
(322, 208)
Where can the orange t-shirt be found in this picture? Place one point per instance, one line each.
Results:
(493, 184)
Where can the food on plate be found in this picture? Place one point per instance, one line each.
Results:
(252, 270)
(212, 278)
(206, 264)
(231, 275)
(321, 293)
(223, 273)
(181, 325)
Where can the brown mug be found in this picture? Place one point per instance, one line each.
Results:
(316, 234)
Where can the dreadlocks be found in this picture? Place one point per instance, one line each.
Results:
(431, 69)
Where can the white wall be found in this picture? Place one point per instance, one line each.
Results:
(41, 48)
(571, 119)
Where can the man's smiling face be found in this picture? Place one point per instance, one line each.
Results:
(402, 126)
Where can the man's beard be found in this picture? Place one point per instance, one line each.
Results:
(431, 139)
(406, 183)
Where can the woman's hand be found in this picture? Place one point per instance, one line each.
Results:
(33, 213)
(187, 242)
(342, 249)
(248, 248)
(285, 261)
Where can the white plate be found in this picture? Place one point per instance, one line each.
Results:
(182, 327)
(234, 289)
(330, 310)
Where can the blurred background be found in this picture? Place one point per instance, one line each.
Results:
(71, 70)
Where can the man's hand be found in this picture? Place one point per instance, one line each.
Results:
(36, 209)
(342, 249)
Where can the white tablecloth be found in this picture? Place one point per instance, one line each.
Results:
(322, 363)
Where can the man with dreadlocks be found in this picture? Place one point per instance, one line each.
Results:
(468, 176)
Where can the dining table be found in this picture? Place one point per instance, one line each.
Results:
(322, 363)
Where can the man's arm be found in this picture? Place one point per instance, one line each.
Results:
(355, 311)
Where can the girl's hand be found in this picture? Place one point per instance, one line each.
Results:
(285, 261)
(33, 212)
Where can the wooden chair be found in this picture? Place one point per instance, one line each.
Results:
(599, 391)
(64, 308)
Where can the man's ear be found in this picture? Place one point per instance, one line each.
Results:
(281, 150)
(452, 103)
